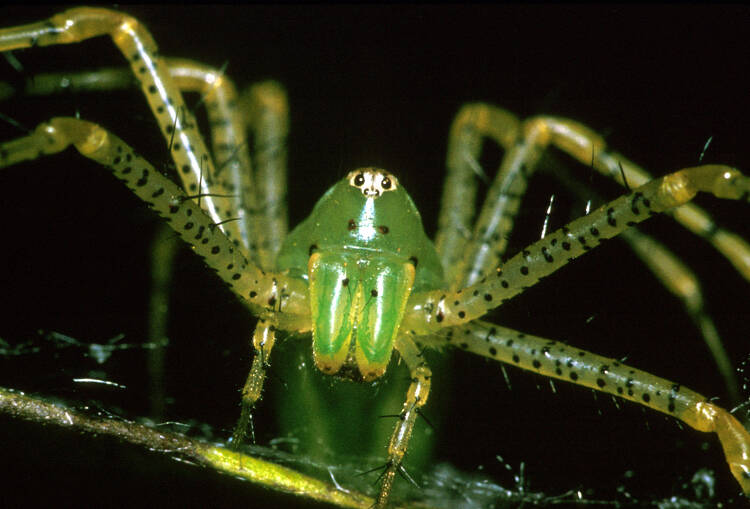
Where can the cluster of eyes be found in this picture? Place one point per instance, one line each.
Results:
(379, 183)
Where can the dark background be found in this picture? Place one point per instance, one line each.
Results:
(380, 86)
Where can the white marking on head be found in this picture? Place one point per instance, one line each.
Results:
(372, 182)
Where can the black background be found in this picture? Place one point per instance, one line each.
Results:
(379, 86)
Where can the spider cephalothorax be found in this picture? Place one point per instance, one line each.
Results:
(367, 252)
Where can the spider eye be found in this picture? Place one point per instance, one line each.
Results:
(385, 183)
(359, 180)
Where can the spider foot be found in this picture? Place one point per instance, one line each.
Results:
(244, 424)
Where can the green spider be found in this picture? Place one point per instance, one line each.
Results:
(409, 272)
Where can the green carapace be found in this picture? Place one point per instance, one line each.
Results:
(363, 250)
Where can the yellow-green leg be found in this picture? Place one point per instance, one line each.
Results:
(589, 148)
(472, 125)
(489, 238)
(430, 311)
(176, 122)
(556, 360)
(416, 397)
(264, 338)
(266, 109)
(258, 289)
(255, 185)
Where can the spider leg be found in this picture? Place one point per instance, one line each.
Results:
(260, 290)
(164, 247)
(677, 278)
(682, 282)
(416, 397)
(176, 122)
(489, 239)
(472, 124)
(431, 311)
(266, 109)
(264, 338)
(589, 148)
(256, 190)
(557, 360)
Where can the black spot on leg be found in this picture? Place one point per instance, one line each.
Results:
(414, 261)
(143, 180)
(547, 257)
(525, 270)
(383, 229)
(611, 217)
(351, 225)
(312, 249)
(374, 292)
(634, 203)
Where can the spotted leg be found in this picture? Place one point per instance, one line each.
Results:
(589, 148)
(254, 187)
(430, 311)
(557, 360)
(176, 122)
(265, 107)
(416, 397)
(258, 289)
